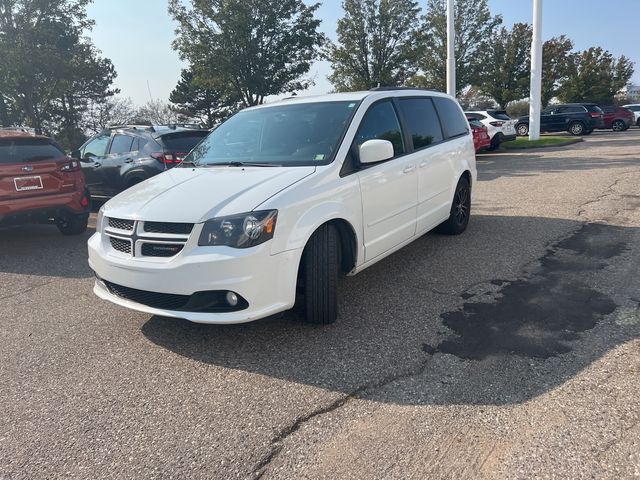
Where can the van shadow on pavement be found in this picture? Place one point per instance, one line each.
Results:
(425, 327)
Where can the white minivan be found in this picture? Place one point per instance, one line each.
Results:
(280, 199)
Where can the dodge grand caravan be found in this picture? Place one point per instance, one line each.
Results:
(280, 199)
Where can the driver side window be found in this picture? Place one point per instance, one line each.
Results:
(381, 123)
(96, 147)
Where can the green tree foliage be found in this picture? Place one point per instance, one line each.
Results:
(375, 44)
(556, 66)
(50, 72)
(507, 61)
(475, 30)
(209, 105)
(256, 47)
(595, 76)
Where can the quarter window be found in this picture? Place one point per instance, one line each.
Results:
(454, 123)
(421, 121)
(381, 123)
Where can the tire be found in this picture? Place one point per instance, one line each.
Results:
(522, 129)
(73, 224)
(618, 126)
(588, 132)
(319, 274)
(460, 210)
(495, 142)
(576, 128)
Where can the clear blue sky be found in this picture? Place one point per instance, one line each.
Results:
(136, 35)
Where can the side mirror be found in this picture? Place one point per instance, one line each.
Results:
(75, 154)
(373, 151)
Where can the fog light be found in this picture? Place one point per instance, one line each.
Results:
(232, 299)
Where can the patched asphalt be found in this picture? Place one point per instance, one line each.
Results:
(511, 351)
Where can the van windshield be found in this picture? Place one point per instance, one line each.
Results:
(296, 134)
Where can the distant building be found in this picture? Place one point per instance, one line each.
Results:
(633, 91)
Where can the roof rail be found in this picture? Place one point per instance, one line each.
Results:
(385, 89)
(134, 127)
(173, 126)
(18, 129)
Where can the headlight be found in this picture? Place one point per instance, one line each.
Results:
(239, 231)
(99, 219)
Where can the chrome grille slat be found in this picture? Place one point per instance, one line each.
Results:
(147, 239)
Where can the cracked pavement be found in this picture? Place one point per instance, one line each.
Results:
(512, 351)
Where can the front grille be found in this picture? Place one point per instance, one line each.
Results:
(121, 224)
(161, 249)
(166, 227)
(121, 245)
(165, 301)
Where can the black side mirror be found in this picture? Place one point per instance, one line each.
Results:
(75, 154)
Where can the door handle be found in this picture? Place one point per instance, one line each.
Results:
(423, 164)
(128, 160)
(97, 165)
(409, 169)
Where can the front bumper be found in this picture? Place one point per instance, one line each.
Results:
(267, 282)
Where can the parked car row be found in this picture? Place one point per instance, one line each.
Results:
(582, 118)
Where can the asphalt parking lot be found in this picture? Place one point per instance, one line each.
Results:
(512, 351)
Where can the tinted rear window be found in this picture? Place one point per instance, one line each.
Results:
(453, 122)
(499, 115)
(594, 108)
(183, 142)
(19, 150)
(422, 121)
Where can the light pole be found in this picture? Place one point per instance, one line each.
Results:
(451, 53)
(535, 94)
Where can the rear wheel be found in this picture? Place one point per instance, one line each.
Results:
(460, 210)
(618, 126)
(73, 224)
(522, 129)
(319, 275)
(495, 142)
(576, 128)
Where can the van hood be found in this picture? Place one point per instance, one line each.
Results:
(194, 195)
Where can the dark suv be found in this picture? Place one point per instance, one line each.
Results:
(575, 118)
(120, 157)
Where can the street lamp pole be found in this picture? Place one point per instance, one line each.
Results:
(535, 95)
(451, 54)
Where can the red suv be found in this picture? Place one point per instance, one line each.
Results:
(40, 184)
(618, 119)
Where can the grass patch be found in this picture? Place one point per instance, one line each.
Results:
(546, 141)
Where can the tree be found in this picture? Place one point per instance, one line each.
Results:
(49, 69)
(375, 44)
(556, 66)
(209, 105)
(257, 47)
(157, 112)
(475, 30)
(595, 76)
(507, 60)
(473, 99)
(104, 113)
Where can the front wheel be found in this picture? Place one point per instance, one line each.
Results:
(319, 275)
(522, 129)
(73, 224)
(618, 126)
(460, 210)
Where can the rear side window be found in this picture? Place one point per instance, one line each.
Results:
(121, 144)
(183, 142)
(421, 121)
(453, 122)
(381, 123)
(25, 150)
(571, 109)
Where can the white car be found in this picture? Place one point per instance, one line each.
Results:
(635, 108)
(280, 199)
(500, 126)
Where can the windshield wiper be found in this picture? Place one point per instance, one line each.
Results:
(243, 164)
